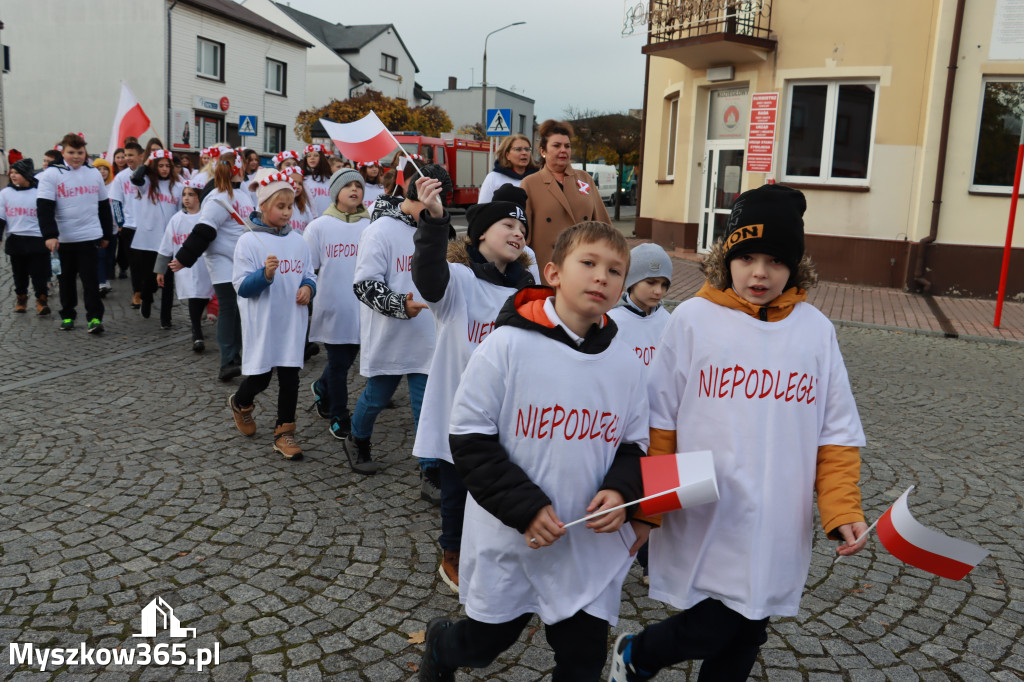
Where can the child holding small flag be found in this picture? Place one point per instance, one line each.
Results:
(333, 241)
(275, 284)
(549, 422)
(749, 370)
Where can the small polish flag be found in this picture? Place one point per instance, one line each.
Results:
(129, 121)
(924, 548)
(690, 475)
(367, 139)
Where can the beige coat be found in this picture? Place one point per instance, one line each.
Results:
(550, 210)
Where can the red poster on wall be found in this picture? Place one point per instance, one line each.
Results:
(764, 108)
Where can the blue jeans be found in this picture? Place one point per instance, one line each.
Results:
(453, 507)
(229, 324)
(376, 396)
(334, 380)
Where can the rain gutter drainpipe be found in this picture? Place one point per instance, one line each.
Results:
(168, 109)
(940, 171)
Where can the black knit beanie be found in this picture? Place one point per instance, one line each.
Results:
(25, 168)
(430, 170)
(509, 201)
(768, 220)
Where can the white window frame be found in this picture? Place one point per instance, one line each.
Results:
(384, 61)
(988, 189)
(673, 136)
(282, 68)
(828, 134)
(218, 59)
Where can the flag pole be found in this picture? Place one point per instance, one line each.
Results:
(403, 150)
(621, 506)
(240, 221)
(871, 527)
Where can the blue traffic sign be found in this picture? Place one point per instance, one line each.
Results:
(499, 122)
(246, 125)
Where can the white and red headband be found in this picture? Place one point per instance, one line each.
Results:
(159, 154)
(366, 165)
(271, 182)
(287, 154)
(310, 148)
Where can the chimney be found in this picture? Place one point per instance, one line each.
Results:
(453, 83)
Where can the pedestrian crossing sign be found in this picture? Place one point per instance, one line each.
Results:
(246, 125)
(498, 122)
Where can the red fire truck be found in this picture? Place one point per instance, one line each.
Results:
(464, 159)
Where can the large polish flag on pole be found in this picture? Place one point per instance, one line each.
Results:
(129, 121)
(924, 548)
(367, 139)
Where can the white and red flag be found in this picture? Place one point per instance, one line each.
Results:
(129, 121)
(924, 548)
(367, 139)
(674, 482)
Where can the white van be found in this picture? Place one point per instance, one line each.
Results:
(605, 177)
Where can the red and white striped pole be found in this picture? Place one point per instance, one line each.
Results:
(1004, 271)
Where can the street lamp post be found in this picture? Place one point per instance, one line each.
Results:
(483, 98)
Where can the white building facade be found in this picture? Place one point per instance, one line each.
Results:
(195, 66)
(465, 106)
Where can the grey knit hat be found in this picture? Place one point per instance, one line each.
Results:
(342, 177)
(648, 260)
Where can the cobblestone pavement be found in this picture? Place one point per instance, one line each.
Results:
(123, 479)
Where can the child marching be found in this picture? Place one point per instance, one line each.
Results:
(317, 174)
(160, 188)
(465, 282)
(550, 371)
(640, 316)
(30, 259)
(75, 220)
(191, 284)
(333, 241)
(275, 283)
(749, 370)
(214, 237)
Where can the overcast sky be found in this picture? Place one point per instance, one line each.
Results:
(569, 53)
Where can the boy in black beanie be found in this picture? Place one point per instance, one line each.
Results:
(749, 370)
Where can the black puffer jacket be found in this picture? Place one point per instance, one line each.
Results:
(498, 484)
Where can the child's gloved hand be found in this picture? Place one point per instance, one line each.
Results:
(612, 521)
(270, 266)
(544, 530)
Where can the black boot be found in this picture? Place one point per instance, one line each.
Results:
(358, 452)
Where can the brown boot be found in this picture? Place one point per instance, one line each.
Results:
(449, 570)
(243, 417)
(284, 441)
(42, 307)
(21, 303)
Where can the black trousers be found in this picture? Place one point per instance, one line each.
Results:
(79, 260)
(287, 398)
(196, 308)
(143, 277)
(29, 261)
(124, 247)
(726, 642)
(167, 297)
(580, 643)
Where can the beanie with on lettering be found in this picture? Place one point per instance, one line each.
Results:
(648, 260)
(509, 201)
(769, 220)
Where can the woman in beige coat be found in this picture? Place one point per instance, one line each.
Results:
(558, 196)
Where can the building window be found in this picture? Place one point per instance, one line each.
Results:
(995, 160)
(522, 124)
(830, 131)
(388, 63)
(276, 77)
(670, 151)
(210, 59)
(273, 138)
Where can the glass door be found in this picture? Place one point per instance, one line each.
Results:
(722, 177)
